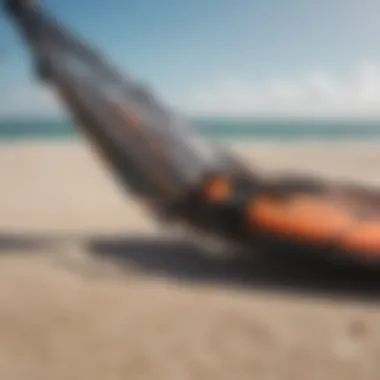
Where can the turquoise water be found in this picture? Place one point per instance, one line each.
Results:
(215, 128)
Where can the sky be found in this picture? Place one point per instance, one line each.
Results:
(257, 58)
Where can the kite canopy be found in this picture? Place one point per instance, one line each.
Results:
(166, 166)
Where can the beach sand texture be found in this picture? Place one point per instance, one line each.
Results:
(77, 300)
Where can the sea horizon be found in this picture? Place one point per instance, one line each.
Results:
(214, 127)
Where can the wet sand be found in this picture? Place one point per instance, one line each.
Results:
(91, 289)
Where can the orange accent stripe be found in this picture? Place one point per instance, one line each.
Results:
(363, 238)
(218, 189)
(131, 119)
(305, 218)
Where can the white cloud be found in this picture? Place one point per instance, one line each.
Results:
(316, 94)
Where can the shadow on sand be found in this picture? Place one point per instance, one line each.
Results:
(175, 259)
(181, 262)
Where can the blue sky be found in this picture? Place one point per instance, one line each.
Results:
(255, 57)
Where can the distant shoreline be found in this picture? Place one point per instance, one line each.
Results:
(210, 128)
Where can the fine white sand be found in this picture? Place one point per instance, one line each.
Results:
(66, 313)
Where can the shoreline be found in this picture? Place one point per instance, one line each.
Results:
(243, 140)
(52, 184)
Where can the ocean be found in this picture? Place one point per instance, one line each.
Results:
(213, 128)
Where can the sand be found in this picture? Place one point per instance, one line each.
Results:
(89, 290)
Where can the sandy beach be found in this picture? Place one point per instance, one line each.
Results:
(91, 289)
